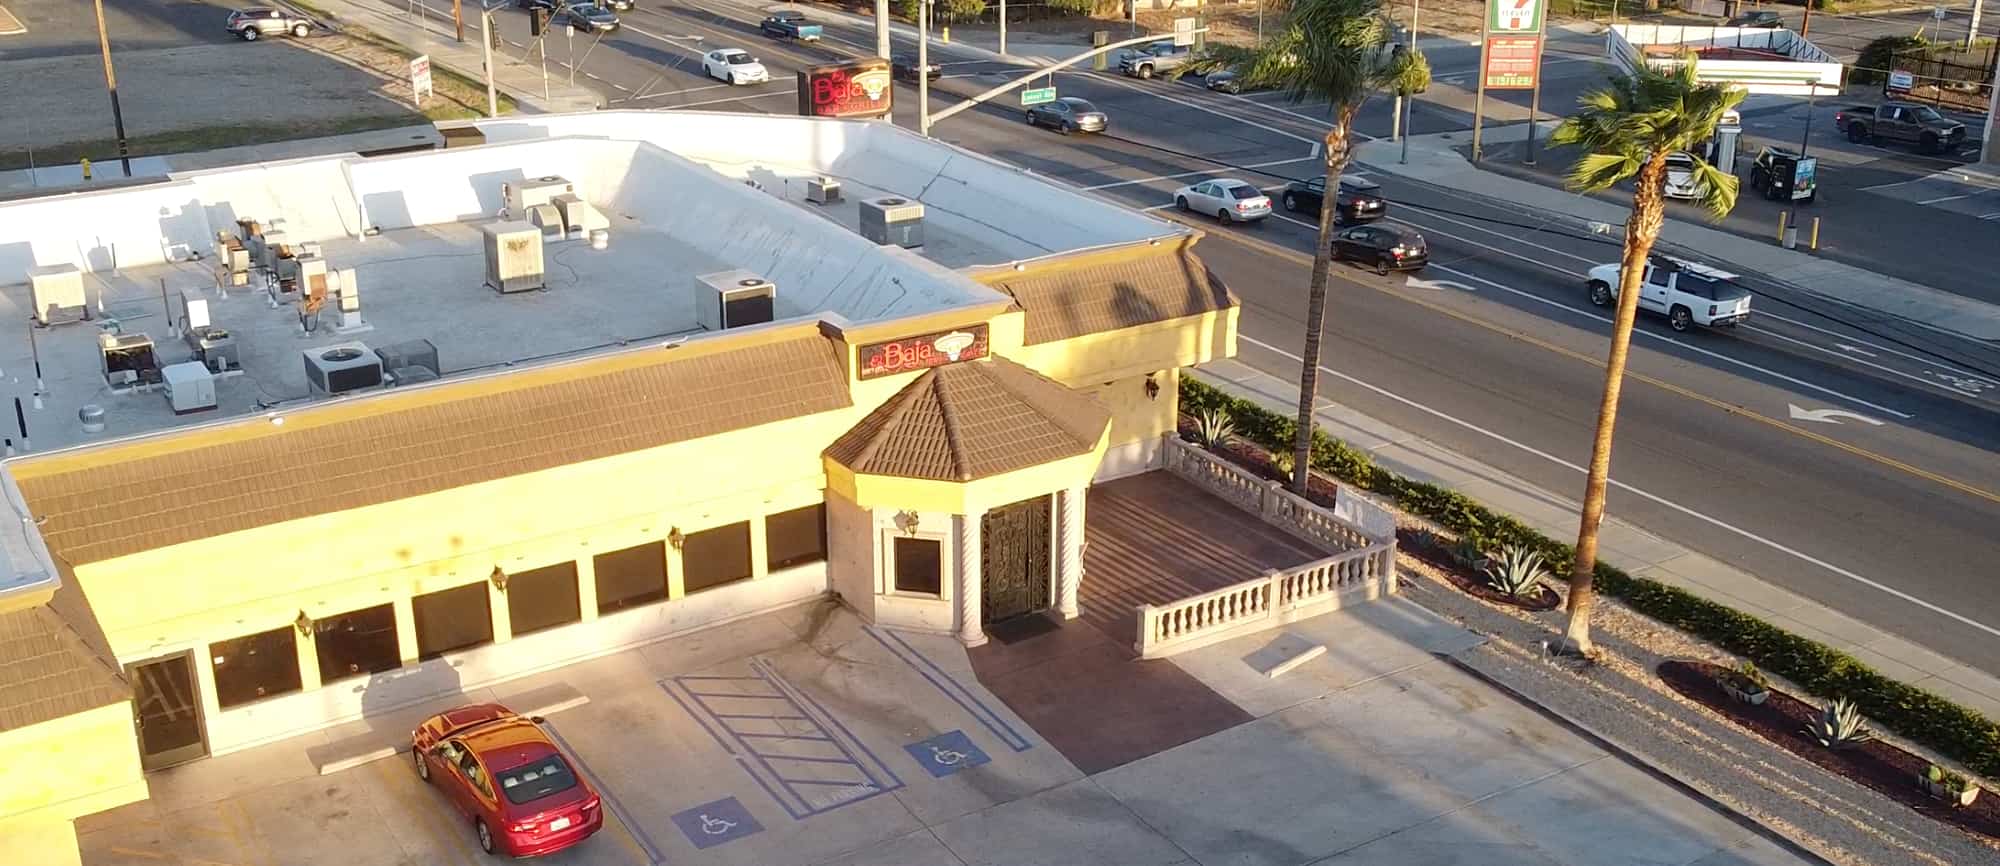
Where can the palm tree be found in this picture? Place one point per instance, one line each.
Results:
(1626, 131)
(1336, 50)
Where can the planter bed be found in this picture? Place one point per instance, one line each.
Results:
(1249, 456)
(1782, 719)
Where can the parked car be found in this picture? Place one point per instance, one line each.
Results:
(1150, 60)
(1386, 247)
(1783, 175)
(256, 23)
(1359, 200)
(1069, 114)
(1905, 122)
(1231, 200)
(790, 24)
(502, 773)
(1764, 18)
(1680, 177)
(904, 68)
(587, 17)
(734, 66)
(553, 5)
(1687, 293)
(1225, 81)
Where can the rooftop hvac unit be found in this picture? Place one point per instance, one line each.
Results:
(546, 218)
(216, 347)
(733, 299)
(412, 375)
(127, 359)
(898, 221)
(823, 190)
(58, 293)
(272, 249)
(342, 367)
(190, 387)
(513, 257)
(579, 217)
(536, 191)
(410, 354)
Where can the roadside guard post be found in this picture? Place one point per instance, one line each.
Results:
(1099, 39)
(86, 167)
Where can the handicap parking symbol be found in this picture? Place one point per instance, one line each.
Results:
(711, 824)
(947, 753)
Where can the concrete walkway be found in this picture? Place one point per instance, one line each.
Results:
(1624, 545)
(434, 35)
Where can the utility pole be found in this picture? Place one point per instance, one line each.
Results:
(1805, 27)
(1479, 101)
(458, 20)
(111, 84)
(1003, 27)
(486, 35)
(1406, 104)
(1972, 30)
(882, 29)
(1260, 20)
(924, 67)
(1396, 132)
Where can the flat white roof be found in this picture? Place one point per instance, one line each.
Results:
(684, 194)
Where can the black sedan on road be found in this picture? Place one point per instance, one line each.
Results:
(1069, 114)
(1386, 247)
(904, 68)
(1225, 81)
(1360, 199)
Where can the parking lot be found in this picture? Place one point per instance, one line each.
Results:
(808, 737)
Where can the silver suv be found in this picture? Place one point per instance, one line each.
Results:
(252, 24)
(1149, 60)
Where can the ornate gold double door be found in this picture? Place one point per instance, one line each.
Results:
(1016, 559)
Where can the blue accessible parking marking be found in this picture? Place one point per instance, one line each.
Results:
(947, 753)
(711, 824)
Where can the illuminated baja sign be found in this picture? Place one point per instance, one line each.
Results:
(857, 88)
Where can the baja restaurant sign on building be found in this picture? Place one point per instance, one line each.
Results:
(876, 360)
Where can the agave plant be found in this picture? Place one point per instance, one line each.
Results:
(1214, 428)
(1839, 726)
(1517, 572)
(1282, 461)
(1469, 553)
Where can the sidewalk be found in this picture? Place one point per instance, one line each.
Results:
(69, 177)
(1628, 547)
(433, 35)
(1434, 160)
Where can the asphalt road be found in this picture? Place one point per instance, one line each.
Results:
(59, 28)
(1891, 523)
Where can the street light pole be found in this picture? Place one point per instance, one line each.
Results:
(458, 21)
(1812, 96)
(486, 34)
(111, 84)
(882, 29)
(1003, 28)
(1972, 30)
(1396, 131)
(924, 67)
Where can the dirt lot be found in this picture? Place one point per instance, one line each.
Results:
(201, 97)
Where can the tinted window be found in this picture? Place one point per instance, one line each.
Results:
(533, 781)
(1926, 113)
(736, 57)
(631, 577)
(795, 537)
(1317, 184)
(453, 619)
(713, 557)
(1080, 105)
(919, 565)
(542, 598)
(1243, 192)
(255, 666)
(1658, 276)
(361, 642)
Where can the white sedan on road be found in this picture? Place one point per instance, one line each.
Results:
(734, 66)
(1232, 201)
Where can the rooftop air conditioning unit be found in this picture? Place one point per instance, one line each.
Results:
(410, 355)
(58, 294)
(733, 299)
(190, 387)
(342, 367)
(536, 191)
(513, 257)
(898, 221)
(823, 190)
(127, 359)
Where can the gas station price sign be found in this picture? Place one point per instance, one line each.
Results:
(856, 88)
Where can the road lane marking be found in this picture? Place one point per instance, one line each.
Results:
(149, 855)
(1828, 416)
(1945, 198)
(1203, 108)
(1891, 462)
(1160, 177)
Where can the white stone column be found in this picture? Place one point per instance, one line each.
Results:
(1069, 575)
(970, 630)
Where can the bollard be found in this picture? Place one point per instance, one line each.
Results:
(1815, 235)
(86, 167)
(1784, 216)
(1099, 39)
(944, 35)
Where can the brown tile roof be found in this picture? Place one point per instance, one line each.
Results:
(971, 420)
(48, 668)
(129, 497)
(1094, 292)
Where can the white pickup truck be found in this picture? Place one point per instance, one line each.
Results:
(1686, 293)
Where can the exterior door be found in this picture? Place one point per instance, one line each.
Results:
(1015, 560)
(166, 707)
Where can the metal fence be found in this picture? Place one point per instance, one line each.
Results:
(1956, 80)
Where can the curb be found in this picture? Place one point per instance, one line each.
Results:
(1643, 765)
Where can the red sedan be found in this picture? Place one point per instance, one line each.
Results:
(502, 773)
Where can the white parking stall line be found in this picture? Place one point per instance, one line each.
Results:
(1161, 177)
(1650, 497)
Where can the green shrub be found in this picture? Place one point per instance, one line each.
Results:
(1879, 56)
(1959, 733)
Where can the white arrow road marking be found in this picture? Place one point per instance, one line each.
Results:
(1438, 285)
(1829, 416)
(1857, 350)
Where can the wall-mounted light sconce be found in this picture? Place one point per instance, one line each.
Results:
(908, 521)
(499, 578)
(675, 538)
(1152, 388)
(304, 624)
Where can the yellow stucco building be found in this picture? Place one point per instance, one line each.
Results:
(617, 456)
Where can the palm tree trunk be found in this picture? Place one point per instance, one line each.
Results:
(1336, 162)
(1641, 230)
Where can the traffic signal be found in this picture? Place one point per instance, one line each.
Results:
(538, 20)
